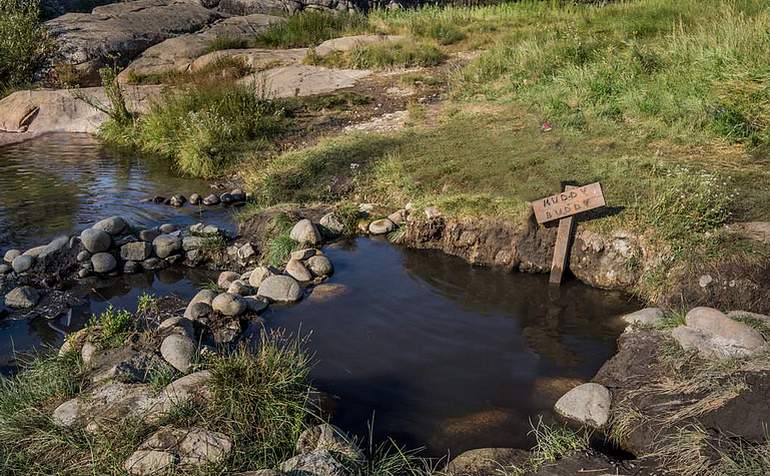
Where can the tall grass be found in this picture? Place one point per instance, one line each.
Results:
(309, 28)
(23, 43)
(388, 54)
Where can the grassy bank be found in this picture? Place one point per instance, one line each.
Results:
(23, 43)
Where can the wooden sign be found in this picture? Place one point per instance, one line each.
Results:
(563, 206)
(571, 201)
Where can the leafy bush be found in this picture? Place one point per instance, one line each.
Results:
(23, 42)
(114, 326)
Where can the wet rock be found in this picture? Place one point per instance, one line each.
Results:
(716, 336)
(303, 254)
(95, 241)
(211, 200)
(103, 263)
(83, 256)
(647, 317)
(113, 225)
(149, 234)
(148, 462)
(229, 304)
(280, 289)
(205, 296)
(305, 232)
(22, 264)
(178, 201)
(381, 227)
(329, 438)
(131, 267)
(153, 264)
(327, 291)
(587, 404)
(195, 199)
(166, 245)
(241, 288)
(23, 297)
(136, 251)
(486, 461)
(168, 228)
(5, 269)
(179, 351)
(226, 278)
(255, 304)
(332, 223)
(318, 463)
(10, 255)
(320, 266)
(259, 275)
(298, 271)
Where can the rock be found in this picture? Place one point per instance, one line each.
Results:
(199, 311)
(280, 289)
(381, 227)
(149, 234)
(192, 447)
(179, 351)
(179, 322)
(152, 264)
(303, 254)
(398, 217)
(190, 243)
(103, 263)
(487, 461)
(211, 200)
(229, 304)
(5, 269)
(238, 195)
(168, 228)
(304, 80)
(126, 364)
(177, 201)
(166, 245)
(83, 256)
(95, 241)
(259, 275)
(255, 304)
(226, 278)
(195, 199)
(320, 266)
(205, 296)
(246, 253)
(241, 288)
(87, 352)
(715, 335)
(190, 388)
(298, 271)
(136, 251)
(199, 229)
(23, 297)
(113, 225)
(587, 404)
(122, 30)
(22, 264)
(305, 232)
(10, 255)
(226, 198)
(647, 317)
(348, 43)
(332, 223)
(315, 464)
(432, 212)
(148, 462)
(131, 267)
(327, 291)
(54, 247)
(748, 315)
(84, 272)
(705, 280)
(326, 437)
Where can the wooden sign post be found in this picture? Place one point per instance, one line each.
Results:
(563, 206)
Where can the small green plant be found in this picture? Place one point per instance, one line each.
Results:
(214, 243)
(114, 325)
(554, 442)
(147, 302)
(227, 43)
(160, 376)
(24, 43)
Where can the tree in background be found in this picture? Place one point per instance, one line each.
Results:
(23, 43)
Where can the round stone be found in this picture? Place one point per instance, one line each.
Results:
(131, 267)
(259, 275)
(280, 289)
(305, 232)
(199, 311)
(381, 227)
(211, 200)
(587, 404)
(320, 266)
(229, 304)
(241, 288)
(166, 245)
(168, 228)
(226, 278)
(103, 263)
(298, 271)
(22, 264)
(179, 351)
(204, 296)
(195, 199)
(83, 256)
(112, 225)
(10, 255)
(95, 241)
(332, 223)
(5, 269)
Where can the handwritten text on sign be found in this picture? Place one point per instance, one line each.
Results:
(569, 202)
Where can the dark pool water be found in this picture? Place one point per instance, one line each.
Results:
(432, 351)
(448, 356)
(61, 183)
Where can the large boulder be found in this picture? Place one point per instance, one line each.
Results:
(95, 241)
(167, 245)
(280, 289)
(123, 30)
(103, 263)
(715, 336)
(298, 271)
(178, 53)
(320, 265)
(229, 304)
(587, 404)
(305, 232)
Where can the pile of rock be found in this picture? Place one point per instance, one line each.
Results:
(234, 197)
(380, 226)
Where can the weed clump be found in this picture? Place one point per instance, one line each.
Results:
(24, 43)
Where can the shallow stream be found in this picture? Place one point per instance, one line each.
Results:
(437, 353)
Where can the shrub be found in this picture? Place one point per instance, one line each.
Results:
(114, 326)
(23, 42)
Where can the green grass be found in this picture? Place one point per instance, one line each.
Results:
(23, 43)
(279, 244)
(384, 55)
(113, 326)
(203, 129)
(147, 302)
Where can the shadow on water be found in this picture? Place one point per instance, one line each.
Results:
(446, 355)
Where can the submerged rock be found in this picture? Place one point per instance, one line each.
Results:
(23, 297)
(280, 289)
(587, 404)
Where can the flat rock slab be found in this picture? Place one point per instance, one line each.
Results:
(59, 110)
(123, 30)
(254, 58)
(178, 53)
(304, 80)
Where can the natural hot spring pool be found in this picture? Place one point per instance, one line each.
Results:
(440, 354)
